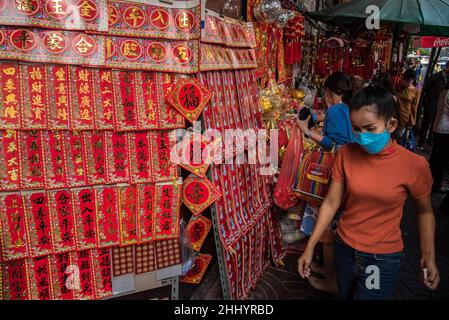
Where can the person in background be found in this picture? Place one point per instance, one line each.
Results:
(440, 152)
(408, 99)
(418, 72)
(384, 80)
(432, 90)
(337, 131)
(375, 176)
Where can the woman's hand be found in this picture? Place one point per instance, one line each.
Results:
(303, 125)
(433, 275)
(304, 263)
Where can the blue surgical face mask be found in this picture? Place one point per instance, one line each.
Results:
(373, 143)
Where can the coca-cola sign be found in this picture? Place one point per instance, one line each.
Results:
(434, 42)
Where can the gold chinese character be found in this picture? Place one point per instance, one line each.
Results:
(85, 102)
(79, 171)
(60, 75)
(26, 5)
(184, 21)
(85, 114)
(86, 8)
(9, 85)
(61, 88)
(9, 71)
(58, 8)
(135, 16)
(130, 49)
(83, 75)
(62, 114)
(54, 41)
(62, 101)
(106, 77)
(10, 98)
(106, 90)
(107, 103)
(84, 88)
(38, 113)
(12, 146)
(161, 18)
(11, 134)
(13, 174)
(108, 114)
(37, 100)
(11, 112)
(36, 74)
(83, 45)
(13, 162)
(36, 87)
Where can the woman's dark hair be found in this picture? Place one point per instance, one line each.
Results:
(379, 99)
(340, 83)
(384, 80)
(409, 74)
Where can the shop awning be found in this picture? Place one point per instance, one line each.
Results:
(431, 15)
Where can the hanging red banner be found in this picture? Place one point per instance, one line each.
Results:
(104, 91)
(122, 260)
(10, 100)
(144, 256)
(196, 273)
(32, 160)
(107, 216)
(56, 14)
(215, 119)
(174, 21)
(166, 214)
(168, 253)
(86, 278)
(10, 160)
(197, 230)
(117, 157)
(63, 221)
(55, 160)
(213, 31)
(34, 105)
(149, 106)
(15, 280)
(189, 97)
(13, 228)
(65, 276)
(94, 142)
(140, 158)
(38, 224)
(208, 118)
(146, 204)
(125, 115)
(84, 209)
(162, 167)
(239, 34)
(127, 215)
(59, 98)
(169, 118)
(102, 274)
(40, 285)
(50, 46)
(146, 54)
(83, 99)
(198, 194)
(76, 159)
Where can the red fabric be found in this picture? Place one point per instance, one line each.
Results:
(63, 221)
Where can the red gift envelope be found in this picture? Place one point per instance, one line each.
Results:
(196, 273)
(127, 215)
(40, 283)
(146, 209)
(15, 280)
(117, 159)
(163, 169)
(83, 98)
(102, 272)
(55, 160)
(32, 160)
(104, 95)
(85, 290)
(140, 157)
(84, 208)
(76, 159)
(189, 97)
(63, 273)
(166, 213)
(197, 230)
(58, 97)
(95, 145)
(198, 194)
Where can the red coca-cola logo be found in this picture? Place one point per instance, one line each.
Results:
(441, 42)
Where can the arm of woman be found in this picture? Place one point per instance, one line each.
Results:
(426, 229)
(303, 125)
(325, 215)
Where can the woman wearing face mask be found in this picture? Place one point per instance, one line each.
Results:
(337, 131)
(376, 175)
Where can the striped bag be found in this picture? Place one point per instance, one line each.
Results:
(314, 176)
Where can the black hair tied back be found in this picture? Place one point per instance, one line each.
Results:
(379, 99)
(340, 83)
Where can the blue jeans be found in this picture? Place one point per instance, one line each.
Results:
(365, 276)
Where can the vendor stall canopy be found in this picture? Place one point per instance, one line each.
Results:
(431, 15)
